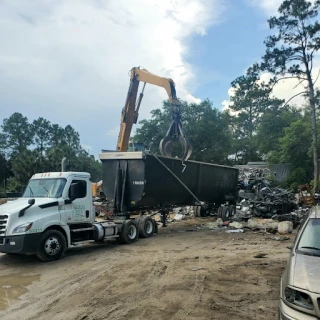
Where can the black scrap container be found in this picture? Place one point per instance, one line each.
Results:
(139, 180)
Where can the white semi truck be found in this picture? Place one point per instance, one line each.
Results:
(56, 212)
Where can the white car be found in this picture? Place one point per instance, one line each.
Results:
(300, 283)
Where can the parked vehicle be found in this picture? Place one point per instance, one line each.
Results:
(56, 212)
(300, 283)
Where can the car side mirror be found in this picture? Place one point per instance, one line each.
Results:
(31, 202)
(74, 191)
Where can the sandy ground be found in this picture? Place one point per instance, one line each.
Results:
(181, 273)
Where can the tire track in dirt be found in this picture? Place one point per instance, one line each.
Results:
(155, 271)
(151, 280)
(71, 285)
(197, 290)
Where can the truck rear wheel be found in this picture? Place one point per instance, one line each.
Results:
(225, 213)
(129, 232)
(232, 209)
(146, 227)
(52, 245)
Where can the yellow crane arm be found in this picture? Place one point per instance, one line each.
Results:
(130, 111)
(143, 75)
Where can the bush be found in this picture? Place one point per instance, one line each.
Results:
(297, 177)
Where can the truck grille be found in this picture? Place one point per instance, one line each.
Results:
(3, 224)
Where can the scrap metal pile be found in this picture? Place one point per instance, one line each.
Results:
(258, 197)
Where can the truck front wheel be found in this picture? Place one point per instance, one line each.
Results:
(52, 245)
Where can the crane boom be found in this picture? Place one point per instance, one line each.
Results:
(130, 112)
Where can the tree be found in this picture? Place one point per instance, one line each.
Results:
(205, 127)
(72, 138)
(86, 163)
(17, 133)
(20, 159)
(24, 165)
(295, 144)
(295, 148)
(290, 53)
(5, 171)
(42, 134)
(250, 100)
(271, 129)
(57, 135)
(65, 142)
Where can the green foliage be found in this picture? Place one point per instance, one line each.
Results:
(250, 101)
(24, 165)
(18, 161)
(295, 143)
(17, 133)
(206, 128)
(5, 170)
(273, 180)
(297, 177)
(297, 37)
(13, 185)
(290, 53)
(271, 129)
(42, 134)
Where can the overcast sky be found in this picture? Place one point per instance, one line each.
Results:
(68, 61)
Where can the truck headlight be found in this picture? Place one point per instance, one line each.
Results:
(22, 228)
(298, 298)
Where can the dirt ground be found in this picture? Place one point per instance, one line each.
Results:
(181, 273)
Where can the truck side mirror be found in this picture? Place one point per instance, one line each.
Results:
(31, 202)
(74, 191)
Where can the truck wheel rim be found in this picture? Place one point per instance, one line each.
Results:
(148, 227)
(132, 232)
(52, 246)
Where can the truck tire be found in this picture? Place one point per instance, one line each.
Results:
(146, 227)
(225, 213)
(232, 210)
(52, 246)
(129, 232)
(219, 212)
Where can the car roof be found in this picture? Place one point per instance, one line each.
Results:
(315, 212)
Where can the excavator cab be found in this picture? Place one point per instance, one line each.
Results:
(136, 146)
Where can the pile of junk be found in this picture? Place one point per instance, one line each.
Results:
(259, 197)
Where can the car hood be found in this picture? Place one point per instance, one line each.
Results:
(307, 273)
(19, 204)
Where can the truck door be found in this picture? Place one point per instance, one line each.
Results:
(78, 211)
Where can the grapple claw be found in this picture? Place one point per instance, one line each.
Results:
(175, 132)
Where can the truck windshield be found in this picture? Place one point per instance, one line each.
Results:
(44, 188)
(310, 239)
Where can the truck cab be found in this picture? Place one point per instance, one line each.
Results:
(56, 212)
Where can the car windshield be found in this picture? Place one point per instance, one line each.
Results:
(310, 239)
(44, 188)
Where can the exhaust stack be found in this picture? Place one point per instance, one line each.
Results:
(63, 164)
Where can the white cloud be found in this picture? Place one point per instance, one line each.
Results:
(270, 7)
(68, 61)
(287, 88)
(227, 103)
